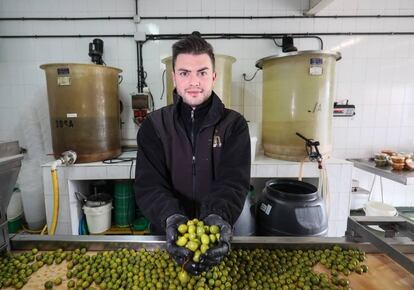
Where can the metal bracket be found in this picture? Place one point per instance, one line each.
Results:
(357, 231)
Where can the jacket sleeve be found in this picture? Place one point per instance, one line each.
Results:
(153, 191)
(231, 184)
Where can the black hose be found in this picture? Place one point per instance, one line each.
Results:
(212, 36)
(198, 17)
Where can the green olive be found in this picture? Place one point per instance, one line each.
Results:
(182, 228)
(182, 241)
(191, 229)
(48, 284)
(205, 240)
(204, 248)
(57, 281)
(192, 246)
(214, 229)
(196, 257)
(183, 277)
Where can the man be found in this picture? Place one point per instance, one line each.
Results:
(193, 157)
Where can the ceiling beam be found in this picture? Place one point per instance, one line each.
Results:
(315, 6)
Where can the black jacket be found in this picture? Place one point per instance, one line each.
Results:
(192, 166)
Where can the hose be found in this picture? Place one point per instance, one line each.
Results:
(323, 188)
(68, 158)
(55, 185)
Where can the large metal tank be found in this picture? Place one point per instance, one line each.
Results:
(222, 86)
(84, 110)
(298, 91)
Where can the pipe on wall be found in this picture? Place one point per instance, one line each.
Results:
(201, 17)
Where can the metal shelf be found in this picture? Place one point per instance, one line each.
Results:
(401, 176)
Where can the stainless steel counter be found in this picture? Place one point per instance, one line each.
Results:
(100, 243)
(401, 176)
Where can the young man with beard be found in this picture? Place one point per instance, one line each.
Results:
(193, 157)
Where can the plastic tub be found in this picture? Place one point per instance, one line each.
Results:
(98, 218)
(359, 199)
(375, 208)
(140, 224)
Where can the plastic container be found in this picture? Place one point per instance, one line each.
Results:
(222, 85)
(291, 208)
(124, 204)
(376, 208)
(381, 162)
(98, 219)
(140, 224)
(14, 225)
(15, 208)
(298, 93)
(359, 198)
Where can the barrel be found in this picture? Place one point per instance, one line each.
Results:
(84, 110)
(298, 94)
(291, 208)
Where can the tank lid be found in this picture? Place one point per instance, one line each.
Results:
(46, 65)
(336, 54)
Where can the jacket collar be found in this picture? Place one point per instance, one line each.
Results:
(214, 114)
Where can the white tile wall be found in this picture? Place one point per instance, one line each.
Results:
(375, 73)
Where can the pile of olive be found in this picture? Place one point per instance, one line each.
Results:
(197, 237)
(144, 269)
(15, 270)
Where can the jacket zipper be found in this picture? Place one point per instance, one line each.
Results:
(193, 161)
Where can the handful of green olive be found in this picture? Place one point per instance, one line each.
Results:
(197, 237)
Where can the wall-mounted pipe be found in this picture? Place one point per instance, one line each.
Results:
(214, 35)
(201, 17)
(140, 69)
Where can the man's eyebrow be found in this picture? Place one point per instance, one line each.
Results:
(202, 69)
(183, 69)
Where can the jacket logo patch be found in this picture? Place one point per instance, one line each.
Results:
(216, 141)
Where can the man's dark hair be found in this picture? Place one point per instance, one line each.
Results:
(193, 44)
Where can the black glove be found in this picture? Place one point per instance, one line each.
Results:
(214, 255)
(179, 254)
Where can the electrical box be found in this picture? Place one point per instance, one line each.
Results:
(343, 110)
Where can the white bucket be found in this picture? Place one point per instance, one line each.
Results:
(359, 199)
(15, 208)
(98, 218)
(375, 208)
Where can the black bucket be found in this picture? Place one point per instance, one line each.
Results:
(291, 208)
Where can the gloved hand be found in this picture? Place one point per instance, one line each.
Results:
(179, 254)
(214, 255)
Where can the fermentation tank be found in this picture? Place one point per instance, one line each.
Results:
(298, 93)
(84, 110)
(222, 86)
